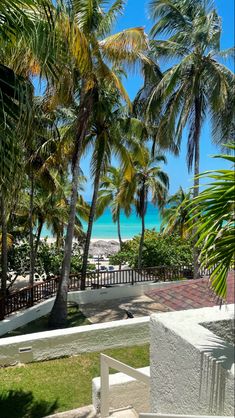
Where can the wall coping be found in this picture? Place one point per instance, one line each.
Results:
(74, 330)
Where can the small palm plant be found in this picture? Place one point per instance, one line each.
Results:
(213, 211)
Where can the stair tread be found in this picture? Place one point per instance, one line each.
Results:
(124, 413)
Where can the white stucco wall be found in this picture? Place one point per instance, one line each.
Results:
(192, 370)
(71, 341)
(80, 297)
(124, 391)
(27, 315)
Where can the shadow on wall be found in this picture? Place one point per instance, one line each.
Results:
(20, 404)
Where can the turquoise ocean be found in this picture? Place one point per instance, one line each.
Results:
(106, 229)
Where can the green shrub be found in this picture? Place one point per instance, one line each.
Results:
(158, 250)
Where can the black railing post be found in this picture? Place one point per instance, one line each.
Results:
(98, 278)
(132, 277)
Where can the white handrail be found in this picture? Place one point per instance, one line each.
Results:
(152, 415)
(105, 363)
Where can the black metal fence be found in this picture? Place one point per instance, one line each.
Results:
(29, 296)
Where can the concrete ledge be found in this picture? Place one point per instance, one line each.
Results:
(192, 369)
(124, 392)
(72, 341)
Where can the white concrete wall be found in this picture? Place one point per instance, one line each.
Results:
(192, 370)
(124, 391)
(81, 297)
(25, 316)
(115, 292)
(71, 341)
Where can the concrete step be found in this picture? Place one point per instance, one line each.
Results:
(124, 413)
(89, 412)
(84, 412)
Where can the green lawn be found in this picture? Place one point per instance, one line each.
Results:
(38, 389)
(75, 318)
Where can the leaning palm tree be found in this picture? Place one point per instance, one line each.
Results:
(175, 216)
(87, 22)
(197, 85)
(148, 180)
(213, 212)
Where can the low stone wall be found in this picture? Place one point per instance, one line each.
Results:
(72, 341)
(124, 391)
(192, 369)
(80, 297)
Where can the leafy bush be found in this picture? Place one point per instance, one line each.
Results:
(158, 250)
(48, 262)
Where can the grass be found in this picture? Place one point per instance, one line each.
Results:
(75, 318)
(38, 389)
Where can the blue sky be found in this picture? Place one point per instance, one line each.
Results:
(136, 14)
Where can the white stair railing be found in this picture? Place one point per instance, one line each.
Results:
(149, 415)
(105, 363)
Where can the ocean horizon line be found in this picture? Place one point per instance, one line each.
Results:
(105, 228)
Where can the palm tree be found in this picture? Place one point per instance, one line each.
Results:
(148, 179)
(19, 27)
(88, 23)
(175, 217)
(197, 85)
(110, 195)
(107, 136)
(21, 30)
(213, 213)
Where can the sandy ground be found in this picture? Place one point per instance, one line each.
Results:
(93, 240)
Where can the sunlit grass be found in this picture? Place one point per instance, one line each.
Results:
(58, 385)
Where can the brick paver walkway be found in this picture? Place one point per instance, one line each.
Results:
(191, 294)
(170, 296)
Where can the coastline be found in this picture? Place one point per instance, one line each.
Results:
(52, 240)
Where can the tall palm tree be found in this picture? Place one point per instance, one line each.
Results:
(148, 180)
(176, 216)
(31, 23)
(23, 23)
(110, 195)
(197, 85)
(89, 21)
(108, 137)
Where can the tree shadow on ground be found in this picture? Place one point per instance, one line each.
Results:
(20, 404)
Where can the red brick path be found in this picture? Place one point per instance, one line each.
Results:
(190, 294)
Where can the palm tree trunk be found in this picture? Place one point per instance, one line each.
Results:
(39, 231)
(119, 228)
(58, 315)
(31, 243)
(4, 247)
(59, 239)
(141, 241)
(90, 225)
(197, 132)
